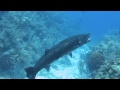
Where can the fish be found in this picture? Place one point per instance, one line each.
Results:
(64, 47)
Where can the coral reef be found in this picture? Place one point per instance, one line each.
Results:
(106, 62)
(24, 35)
(95, 60)
(110, 70)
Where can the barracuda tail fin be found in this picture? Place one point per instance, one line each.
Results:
(30, 72)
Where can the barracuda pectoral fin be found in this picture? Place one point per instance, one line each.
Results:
(70, 54)
(47, 67)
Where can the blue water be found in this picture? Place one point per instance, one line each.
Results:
(98, 23)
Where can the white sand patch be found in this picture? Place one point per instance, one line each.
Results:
(64, 71)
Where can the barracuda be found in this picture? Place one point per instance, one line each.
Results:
(64, 47)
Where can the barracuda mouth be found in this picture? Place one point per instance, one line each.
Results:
(89, 39)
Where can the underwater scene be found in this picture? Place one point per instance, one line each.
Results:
(59, 44)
